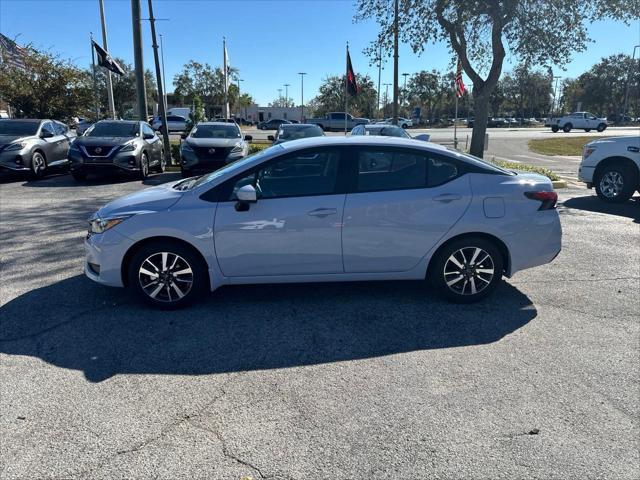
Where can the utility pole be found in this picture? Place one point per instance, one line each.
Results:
(386, 99)
(112, 108)
(404, 89)
(395, 63)
(163, 112)
(555, 93)
(238, 80)
(286, 93)
(626, 94)
(379, 78)
(164, 79)
(302, 74)
(138, 60)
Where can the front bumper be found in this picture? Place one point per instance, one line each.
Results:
(585, 174)
(106, 252)
(15, 160)
(190, 161)
(121, 162)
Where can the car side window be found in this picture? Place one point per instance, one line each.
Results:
(441, 170)
(48, 127)
(304, 173)
(147, 130)
(390, 170)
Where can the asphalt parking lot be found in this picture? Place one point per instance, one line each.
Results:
(339, 381)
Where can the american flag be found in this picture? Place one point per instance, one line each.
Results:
(459, 83)
(11, 54)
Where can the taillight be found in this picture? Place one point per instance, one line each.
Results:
(548, 199)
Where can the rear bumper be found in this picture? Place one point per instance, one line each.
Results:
(537, 244)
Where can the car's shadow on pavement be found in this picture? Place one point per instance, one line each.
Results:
(78, 325)
(629, 209)
(66, 180)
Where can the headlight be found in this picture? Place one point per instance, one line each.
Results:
(236, 149)
(587, 151)
(100, 225)
(129, 147)
(16, 146)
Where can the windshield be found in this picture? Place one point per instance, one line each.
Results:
(388, 132)
(12, 127)
(480, 162)
(215, 131)
(293, 133)
(194, 182)
(113, 129)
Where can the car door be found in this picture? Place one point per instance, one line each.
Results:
(294, 227)
(400, 205)
(154, 142)
(52, 144)
(62, 143)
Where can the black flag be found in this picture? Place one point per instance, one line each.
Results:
(105, 60)
(352, 86)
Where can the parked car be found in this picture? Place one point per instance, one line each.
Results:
(33, 146)
(295, 131)
(383, 130)
(83, 125)
(496, 122)
(175, 123)
(117, 146)
(211, 145)
(328, 209)
(612, 165)
(272, 124)
(402, 122)
(336, 121)
(579, 120)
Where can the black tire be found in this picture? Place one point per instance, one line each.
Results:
(79, 176)
(144, 167)
(472, 275)
(554, 128)
(587, 130)
(616, 182)
(38, 165)
(404, 125)
(169, 284)
(567, 127)
(601, 127)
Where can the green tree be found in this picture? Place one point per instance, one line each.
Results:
(601, 90)
(196, 115)
(48, 87)
(332, 97)
(536, 32)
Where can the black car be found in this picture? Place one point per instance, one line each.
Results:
(272, 124)
(294, 131)
(110, 146)
(33, 146)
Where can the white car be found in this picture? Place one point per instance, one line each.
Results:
(402, 122)
(175, 123)
(612, 165)
(579, 120)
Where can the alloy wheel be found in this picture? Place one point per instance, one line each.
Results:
(469, 271)
(38, 164)
(165, 277)
(611, 184)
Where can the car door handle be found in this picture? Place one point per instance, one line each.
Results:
(322, 212)
(447, 197)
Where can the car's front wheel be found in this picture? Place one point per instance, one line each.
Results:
(567, 128)
(38, 165)
(167, 274)
(601, 127)
(162, 166)
(554, 128)
(467, 270)
(587, 130)
(615, 183)
(144, 167)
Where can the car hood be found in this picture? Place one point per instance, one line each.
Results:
(630, 140)
(152, 199)
(213, 142)
(6, 139)
(103, 141)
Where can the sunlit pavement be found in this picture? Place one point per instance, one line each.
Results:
(367, 380)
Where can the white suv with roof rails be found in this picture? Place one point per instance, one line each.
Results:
(612, 165)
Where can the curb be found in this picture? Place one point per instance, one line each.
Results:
(559, 184)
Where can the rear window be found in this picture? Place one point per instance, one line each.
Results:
(479, 162)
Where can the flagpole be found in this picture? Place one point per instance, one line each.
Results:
(95, 82)
(346, 92)
(226, 79)
(455, 123)
(112, 108)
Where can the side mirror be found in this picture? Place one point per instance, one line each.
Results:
(423, 137)
(246, 195)
(271, 138)
(46, 134)
(148, 136)
(248, 138)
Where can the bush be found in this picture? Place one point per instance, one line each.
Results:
(257, 147)
(175, 153)
(523, 167)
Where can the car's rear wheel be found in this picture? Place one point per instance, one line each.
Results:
(601, 127)
(615, 183)
(554, 128)
(404, 125)
(167, 274)
(467, 270)
(567, 128)
(38, 165)
(587, 130)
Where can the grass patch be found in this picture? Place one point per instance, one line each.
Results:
(561, 145)
(523, 167)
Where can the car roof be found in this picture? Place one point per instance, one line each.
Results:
(379, 126)
(110, 120)
(362, 140)
(299, 125)
(24, 120)
(218, 123)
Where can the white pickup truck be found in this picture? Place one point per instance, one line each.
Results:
(612, 165)
(580, 120)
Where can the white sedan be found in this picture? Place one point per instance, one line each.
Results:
(402, 122)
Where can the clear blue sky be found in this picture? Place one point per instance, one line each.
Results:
(268, 40)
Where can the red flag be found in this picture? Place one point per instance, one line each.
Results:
(459, 83)
(352, 86)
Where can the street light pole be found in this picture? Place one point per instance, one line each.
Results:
(395, 64)
(379, 77)
(626, 95)
(404, 89)
(138, 60)
(302, 74)
(164, 79)
(386, 98)
(286, 93)
(239, 107)
(112, 108)
(555, 93)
